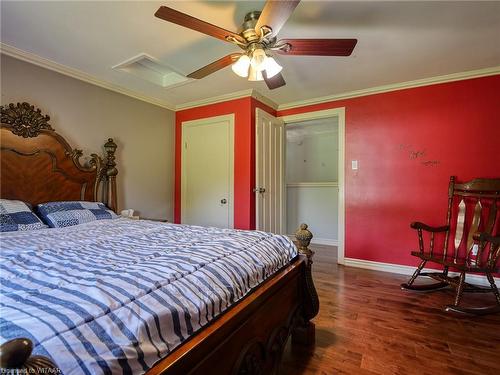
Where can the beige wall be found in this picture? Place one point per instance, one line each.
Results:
(86, 115)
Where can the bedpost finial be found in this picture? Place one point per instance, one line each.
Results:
(311, 300)
(110, 148)
(304, 237)
(111, 172)
(14, 353)
(16, 358)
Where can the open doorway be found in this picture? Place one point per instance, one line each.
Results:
(315, 176)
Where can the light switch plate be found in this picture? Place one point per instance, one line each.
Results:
(354, 165)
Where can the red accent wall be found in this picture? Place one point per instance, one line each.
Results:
(408, 143)
(244, 153)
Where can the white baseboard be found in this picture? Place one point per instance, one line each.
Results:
(320, 241)
(324, 241)
(408, 270)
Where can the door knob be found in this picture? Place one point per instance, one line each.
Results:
(223, 201)
(259, 190)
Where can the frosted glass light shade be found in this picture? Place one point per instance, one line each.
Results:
(272, 67)
(255, 75)
(240, 67)
(258, 59)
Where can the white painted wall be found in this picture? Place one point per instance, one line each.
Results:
(313, 157)
(317, 206)
(312, 176)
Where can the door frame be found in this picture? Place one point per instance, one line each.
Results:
(260, 113)
(206, 122)
(340, 114)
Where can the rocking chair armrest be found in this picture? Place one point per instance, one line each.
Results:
(418, 225)
(482, 236)
(492, 251)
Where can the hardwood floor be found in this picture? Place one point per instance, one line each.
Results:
(368, 325)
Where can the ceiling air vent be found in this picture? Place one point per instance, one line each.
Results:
(152, 70)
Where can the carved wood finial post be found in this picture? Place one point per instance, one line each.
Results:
(304, 237)
(304, 332)
(111, 172)
(16, 358)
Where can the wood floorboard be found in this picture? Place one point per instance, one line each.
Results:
(368, 325)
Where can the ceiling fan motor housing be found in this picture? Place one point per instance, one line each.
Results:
(252, 16)
(248, 27)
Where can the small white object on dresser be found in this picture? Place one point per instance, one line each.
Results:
(129, 213)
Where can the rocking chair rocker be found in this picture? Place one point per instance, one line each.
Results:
(474, 208)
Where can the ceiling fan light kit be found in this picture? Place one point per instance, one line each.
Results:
(256, 38)
(258, 58)
(241, 66)
(254, 74)
(272, 67)
(253, 67)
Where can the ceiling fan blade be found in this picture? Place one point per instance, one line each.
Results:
(215, 66)
(275, 81)
(179, 18)
(319, 47)
(275, 14)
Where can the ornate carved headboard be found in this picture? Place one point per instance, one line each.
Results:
(38, 165)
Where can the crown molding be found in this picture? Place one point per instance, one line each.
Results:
(394, 87)
(265, 100)
(78, 74)
(214, 99)
(226, 97)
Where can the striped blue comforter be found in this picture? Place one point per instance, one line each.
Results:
(115, 296)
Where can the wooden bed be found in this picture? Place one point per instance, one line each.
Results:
(38, 165)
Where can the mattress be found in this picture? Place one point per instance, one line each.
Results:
(115, 296)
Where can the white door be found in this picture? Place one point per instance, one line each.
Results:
(207, 172)
(270, 173)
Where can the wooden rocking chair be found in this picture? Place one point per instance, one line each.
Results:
(472, 208)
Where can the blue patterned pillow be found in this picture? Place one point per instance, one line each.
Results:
(17, 215)
(65, 214)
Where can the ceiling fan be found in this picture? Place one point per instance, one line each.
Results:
(258, 40)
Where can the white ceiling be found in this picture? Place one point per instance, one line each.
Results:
(397, 42)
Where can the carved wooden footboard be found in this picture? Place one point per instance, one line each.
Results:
(250, 337)
(247, 339)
